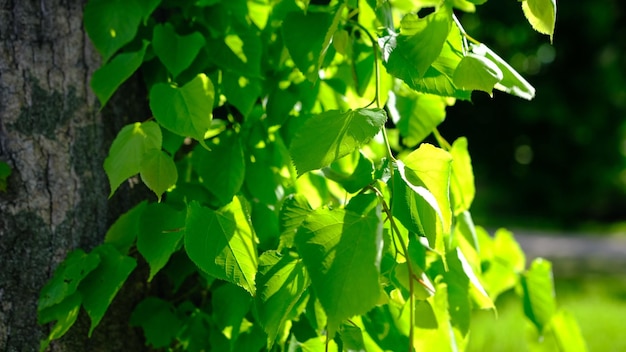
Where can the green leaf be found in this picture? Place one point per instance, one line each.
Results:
(123, 232)
(512, 82)
(331, 135)
(222, 169)
(294, 210)
(158, 171)
(541, 14)
(430, 167)
(462, 181)
(503, 259)
(416, 115)
(476, 72)
(221, 243)
(567, 333)
(5, 172)
(160, 233)
(352, 338)
(539, 301)
(434, 330)
(230, 304)
(158, 320)
(111, 24)
(414, 206)
(128, 149)
(353, 171)
(280, 283)
(241, 91)
(307, 36)
(341, 251)
(67, 276)
(186, 111)
(111, 75)
(176, 52)
(101, 285)
(421, 39)
(64, 313)
(438, 77)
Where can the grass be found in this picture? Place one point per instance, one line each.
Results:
(597, 302)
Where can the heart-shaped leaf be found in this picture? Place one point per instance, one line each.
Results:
(186, 111)
(158, 171)
(175, 51)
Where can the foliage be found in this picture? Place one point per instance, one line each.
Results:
(289, 217)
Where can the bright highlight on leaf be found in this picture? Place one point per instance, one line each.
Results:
(186, 111)
(329, 136)
(476, 72)
(341, 251)
(128, 150)
(221, 243)
(541, 14)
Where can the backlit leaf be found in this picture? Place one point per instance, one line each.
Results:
(538, 286)
(177, 52)
(462, 181)
(158, 171)
(566, 332)
(341, 251)
(280, 283)
(186, 111)
(476, 72)
(416, 114)
(160, 233)
(294, 210)
(512, 82)
(128, 150)
(331, 135)
(101, 285)
(221, 243)
(111, 75)
(541, 15)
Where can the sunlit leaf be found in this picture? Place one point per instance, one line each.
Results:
(416, 115)
(186, 111)
(128, 150)
(567, 333)
(293, 212)
(462, 181)
(329, 136)
(158, 171)
(280, 284)
(512, 82)
(541, 14)
(341, 251)
(220, 242)
(539, 301)
(476, 72)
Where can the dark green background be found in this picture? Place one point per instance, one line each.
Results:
(575, 126)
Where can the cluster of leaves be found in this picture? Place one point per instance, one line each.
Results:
(291, 214)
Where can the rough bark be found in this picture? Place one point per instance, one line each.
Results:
(53, 137)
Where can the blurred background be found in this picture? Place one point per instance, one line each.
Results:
(553, 170)
(564, 151)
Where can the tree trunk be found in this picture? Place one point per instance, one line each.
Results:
(53, 137)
